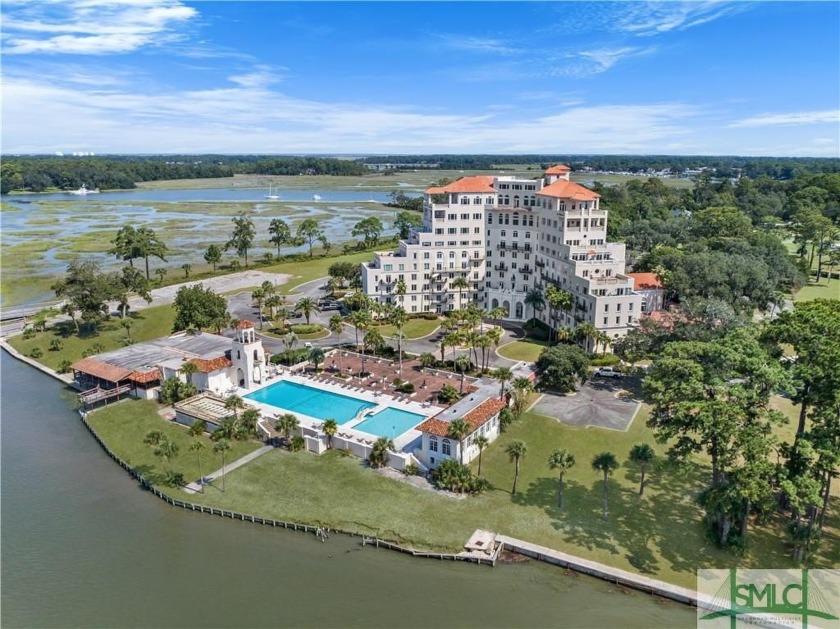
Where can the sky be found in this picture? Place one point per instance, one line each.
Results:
(168, 76)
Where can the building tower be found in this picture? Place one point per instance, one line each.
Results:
(248, 356)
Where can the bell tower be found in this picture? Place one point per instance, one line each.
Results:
(248, 356)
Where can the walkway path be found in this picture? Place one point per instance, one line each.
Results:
(227, 469)
(602, 571)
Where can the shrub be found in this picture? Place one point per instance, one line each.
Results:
(36, 353)
(607, 360)
(398, 382)
(290, 356)
(64, 366)
(56, 344)
(28, 333)
(411, 470)
(406, 387)
(448, 394)
(453, 476)
(430, 316)
(306, 328)
(297, 443)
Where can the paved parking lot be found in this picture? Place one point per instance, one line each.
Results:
(595, 404)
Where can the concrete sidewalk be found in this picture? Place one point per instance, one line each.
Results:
(193, 488)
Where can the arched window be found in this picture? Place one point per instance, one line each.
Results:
(447, 450)
(256, 356)
(433, 445)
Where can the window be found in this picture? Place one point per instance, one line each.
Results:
(618, 320)
(433, 443)
(465, 217)
(476, 217)
(446, 447)
(489, 218)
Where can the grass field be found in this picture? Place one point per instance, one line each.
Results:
(528, 350)
(124, 426)
(659, 534)
(413, 329)
(147, 324)
(819, 290)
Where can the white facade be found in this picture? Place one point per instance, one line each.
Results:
(248, 356)
(506, 235)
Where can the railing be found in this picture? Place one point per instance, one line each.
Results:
(500, 267)
(98, 394)
(513, 246)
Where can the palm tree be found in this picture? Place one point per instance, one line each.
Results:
(458, 429)
(297, 443)
(522, 386)
(234, 403)
(535, 299)
(222, 445)
(607, 464)
(285, 424)
(398, 318)
(642, 455)
(516, 452)
(289, 341)
(427, 359)
(498, 313)
(329, 427)
(460, 283)
(401, 290)
(481, 442)
(484, 342)
(197, 446)
(166, 450)
(602, 339)
(585, 332)
(247, 424)
(462, 363)
(373, 340)
(306, 306)
(189, 368)
(316, 356)
(379, 454)
(258, 296)
(153, 438)
(360, 320)
(561, 460)
(273, 302)
(336, 326)
(503, 375)
(198, 428)
(453, 340)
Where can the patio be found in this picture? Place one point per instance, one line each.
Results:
(344, 367)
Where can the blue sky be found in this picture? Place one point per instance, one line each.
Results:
(165, 76)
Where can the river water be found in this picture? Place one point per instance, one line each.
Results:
(84, 546)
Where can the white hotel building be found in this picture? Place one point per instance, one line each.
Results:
(506, 235)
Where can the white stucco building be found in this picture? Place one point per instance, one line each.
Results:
(505, 236)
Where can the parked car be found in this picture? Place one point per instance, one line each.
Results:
(607, 372)
(307, 345)
(329, 305)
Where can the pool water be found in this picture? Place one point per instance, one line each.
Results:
(391, 423)
(300, 398)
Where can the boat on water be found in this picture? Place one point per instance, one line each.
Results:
(271, 195)
(316, 197)
(84, 190)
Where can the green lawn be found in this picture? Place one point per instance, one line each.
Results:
(309, 270)
(659, 534)
(147, 324)
(527, 349)
(413, 329)
(123, 427)
(819, 290)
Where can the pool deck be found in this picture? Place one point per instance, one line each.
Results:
(381, 400)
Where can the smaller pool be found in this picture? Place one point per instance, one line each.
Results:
(391, 423)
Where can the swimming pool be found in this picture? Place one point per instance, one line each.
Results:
(310, 401)
(391, 423)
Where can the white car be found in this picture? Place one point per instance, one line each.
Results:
(307, 345)
(607, 372)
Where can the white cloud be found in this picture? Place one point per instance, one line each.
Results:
(91, 27)
(790, 119)
(602, 59)
(471, 43)
(654, 18)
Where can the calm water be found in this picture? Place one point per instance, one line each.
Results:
(300, 398)
(84, 547)
(391, 423)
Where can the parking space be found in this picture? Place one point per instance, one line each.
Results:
(600, 403)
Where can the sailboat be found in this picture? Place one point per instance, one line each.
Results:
(316, 197)
(84, 190)
(271, 196)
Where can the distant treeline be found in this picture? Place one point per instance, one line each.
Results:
(36, 174)
(725, 166)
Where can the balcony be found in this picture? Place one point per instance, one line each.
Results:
(501, 267)
(539, 263)
(512, 246)
(527, 270)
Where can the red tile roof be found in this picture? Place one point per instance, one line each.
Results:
(479, 183)
(475, 418)
(144, 377)
(645, 280)
(558, 169)
(563, 189)
(245, 324)
(206, 365)
(100, 369)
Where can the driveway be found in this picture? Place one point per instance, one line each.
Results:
(595, 404)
